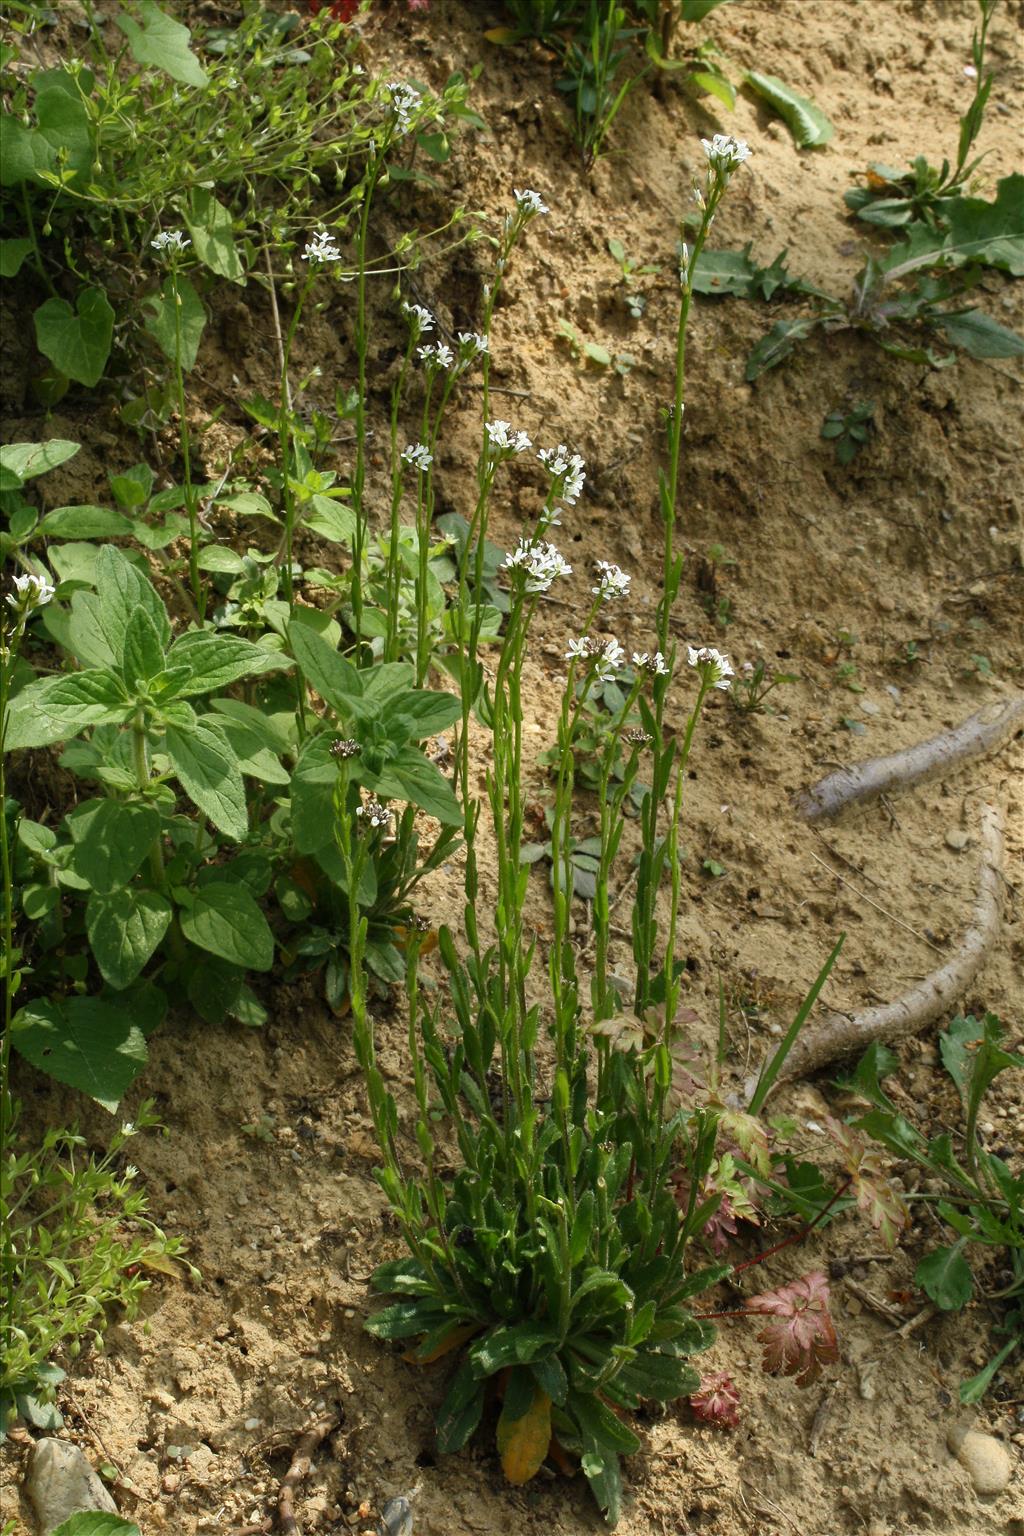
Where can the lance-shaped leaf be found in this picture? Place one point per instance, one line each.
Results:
(216, 660)
(204, 761)
(806, 122)
(58, 708)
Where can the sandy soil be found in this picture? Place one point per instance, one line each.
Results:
(199, 1401)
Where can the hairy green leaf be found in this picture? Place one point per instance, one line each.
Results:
(215, 660)
(111, 840)
(203, 760)
(58, 708)
(946, 1277)
(83, 1042)
(162, 43)
(806, 122)
(77, 341)
(125, 928)
(225, 919)
(23, 461)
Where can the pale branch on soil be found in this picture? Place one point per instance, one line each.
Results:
(979, 735)
(842, 1034)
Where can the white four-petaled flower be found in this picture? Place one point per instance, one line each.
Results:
(438, 356)
(713, 667)
(32, 591)
(377, 815)
(321, 248)
(725, 153)
(174, 240)
(656, 664)
(612, 581)
(404, 101)
(566, 471)
(542, 563)
(503, 440)
(529, 202)
(420, 319)
(418, 455)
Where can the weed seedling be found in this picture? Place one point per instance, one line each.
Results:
(849, 432)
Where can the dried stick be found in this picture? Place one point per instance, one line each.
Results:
(841, 1034)
(978, 736)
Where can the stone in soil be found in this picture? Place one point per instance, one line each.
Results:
(62, 1483)
(984, 1458)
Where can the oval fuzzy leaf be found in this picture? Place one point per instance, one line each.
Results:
(523, 1443)
(806, 122)
(946, 1277)
(23, 461)
(224, 919)
(215, 660)
(203, 760)
(125, 928)
(176, 321)
(86, 522)
(59, 708)
(95, 1522)
(111, 840)
(83, 1042)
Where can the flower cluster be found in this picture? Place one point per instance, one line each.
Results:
(31, 592)
(612, 582)
(713, 667)
(656, 665)
(504, 442)
(608, 655)
(637, 737)
(404, 102)
(471, 345)
(173, 240)
(420, 319)
(566, 471)
(419, 456)
(438, 356)
(541, 562)
(529, 203)
(321, 248)
(377, 815)
(344, 747)
(725, 153)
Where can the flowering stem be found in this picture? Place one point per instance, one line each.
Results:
(191, 503)
(362, 339)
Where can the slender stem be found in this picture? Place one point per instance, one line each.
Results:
(191, 504)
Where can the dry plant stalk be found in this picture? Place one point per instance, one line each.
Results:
(979, 735)
(842, 1034)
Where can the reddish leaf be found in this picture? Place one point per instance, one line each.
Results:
(717, 1402)
(799, 1337)
(883, 1205)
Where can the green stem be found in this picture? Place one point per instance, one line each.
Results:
(191, 504)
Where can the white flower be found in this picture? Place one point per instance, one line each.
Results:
(439, 356)
(530, 202)
(321, 248)
(584, 648)
(503, 440)
(404, 101)
(420, 319)
(610, 660)
(612, 582)
(656, 664)
(128, 1129)
(542, 563)
(173, 240)
(32, 592)
(376, 814)
(713, 667)
(566, 471)
(418, 455)
(472, 344)
(131, 1172)
(725, 153)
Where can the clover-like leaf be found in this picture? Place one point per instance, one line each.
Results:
(877, 1197)
(717, 1401)
(799, 1337)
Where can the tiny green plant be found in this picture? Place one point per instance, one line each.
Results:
(754, 682)
(981, 1206)
(849, 431)
(634, 298)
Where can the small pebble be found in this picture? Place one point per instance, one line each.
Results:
(252, 1423)
(395, 1518)
(958, 839)
(983, 1457)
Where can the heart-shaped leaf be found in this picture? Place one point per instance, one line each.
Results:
(77, 341)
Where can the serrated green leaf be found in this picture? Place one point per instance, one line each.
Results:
(409, 776)
(121, 588)
(143, 655)
(125, 928)
(215, 660)
(806, 122)
(84, 1043)
(58, 708)
(225, 919)
(176, 324)
(77, 341)
(111, 840)
(312, 803)
(162, 43)
(334, 678)
(774, 348)
(208, 769)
